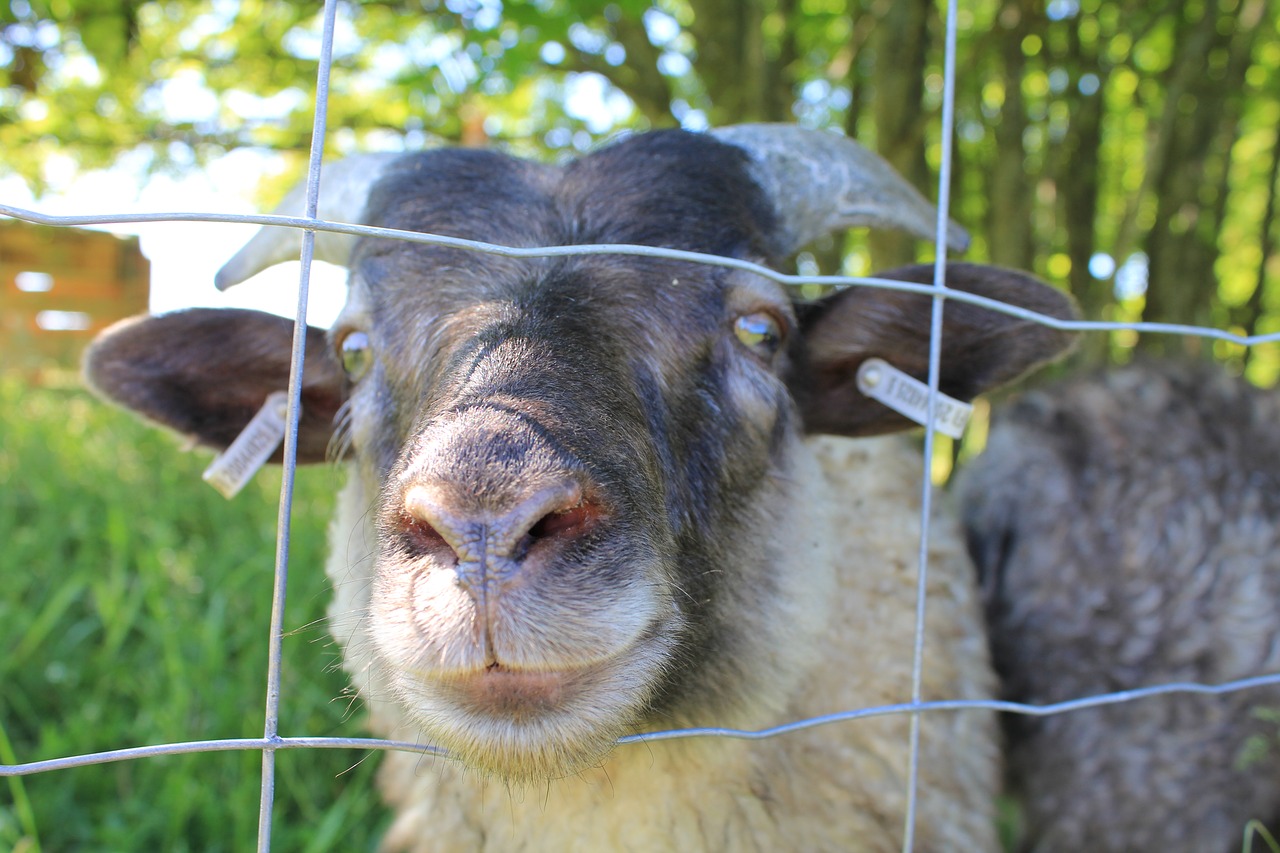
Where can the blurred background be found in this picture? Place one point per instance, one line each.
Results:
(1126, 151)
(1123, 150)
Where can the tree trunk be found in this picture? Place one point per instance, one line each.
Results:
(742, 80)
(1076, 176)
(1012, 203)
(1191, 188)
(900, 43)
(1251, 313)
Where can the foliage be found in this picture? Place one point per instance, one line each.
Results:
(1104, 145)
(1257, 748)
(136, 609)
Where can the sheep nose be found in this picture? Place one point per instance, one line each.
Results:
(494, 537)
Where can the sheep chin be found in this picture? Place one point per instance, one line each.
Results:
(530, 727)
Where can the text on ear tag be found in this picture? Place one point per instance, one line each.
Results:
(231, 469)
(906, 395)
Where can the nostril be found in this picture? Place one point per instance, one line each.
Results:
(565, 523)
(421, 537)
(559, 528)
(435, 521)
(427, 527)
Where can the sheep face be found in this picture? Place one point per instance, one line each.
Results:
(573, 469)
(550, 527)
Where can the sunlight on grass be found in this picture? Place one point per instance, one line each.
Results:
(135, 610)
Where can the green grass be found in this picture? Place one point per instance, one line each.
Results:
(1255, 829)
(134, 609)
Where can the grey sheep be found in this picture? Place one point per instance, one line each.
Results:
(1126, 529)
(602, 494)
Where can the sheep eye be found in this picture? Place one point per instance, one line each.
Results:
(759, 332)
(355, 354)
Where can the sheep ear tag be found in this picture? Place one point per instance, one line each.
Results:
(908, 396)
(231, 469)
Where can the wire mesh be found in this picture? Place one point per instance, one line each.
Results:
(271, 741)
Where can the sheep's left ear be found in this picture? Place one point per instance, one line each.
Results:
(206, 372)
(981, 348)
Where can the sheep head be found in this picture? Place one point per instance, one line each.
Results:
(572, 465)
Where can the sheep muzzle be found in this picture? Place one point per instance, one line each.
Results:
(516, 590)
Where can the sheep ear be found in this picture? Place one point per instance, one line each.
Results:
(205, 372)
(981, 348)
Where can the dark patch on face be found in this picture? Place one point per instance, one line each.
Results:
(654, 408)
(725, 459)
(669, 188)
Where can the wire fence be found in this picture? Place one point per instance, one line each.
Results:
(271, 741)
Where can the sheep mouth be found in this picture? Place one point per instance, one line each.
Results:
(521, 694)
(529, 723)
(503, 691)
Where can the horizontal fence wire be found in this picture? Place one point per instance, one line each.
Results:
(376, 744)
(792, 280)
(271, 742)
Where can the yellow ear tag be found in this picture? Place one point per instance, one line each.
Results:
(231, 469)
(906, 395)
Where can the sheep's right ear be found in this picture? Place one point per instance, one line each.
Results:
(206, 372)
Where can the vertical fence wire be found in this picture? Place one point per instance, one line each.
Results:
(935, 369)
(271, 725)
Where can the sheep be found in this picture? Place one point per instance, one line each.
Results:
(1126, 529)
(605, 494)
